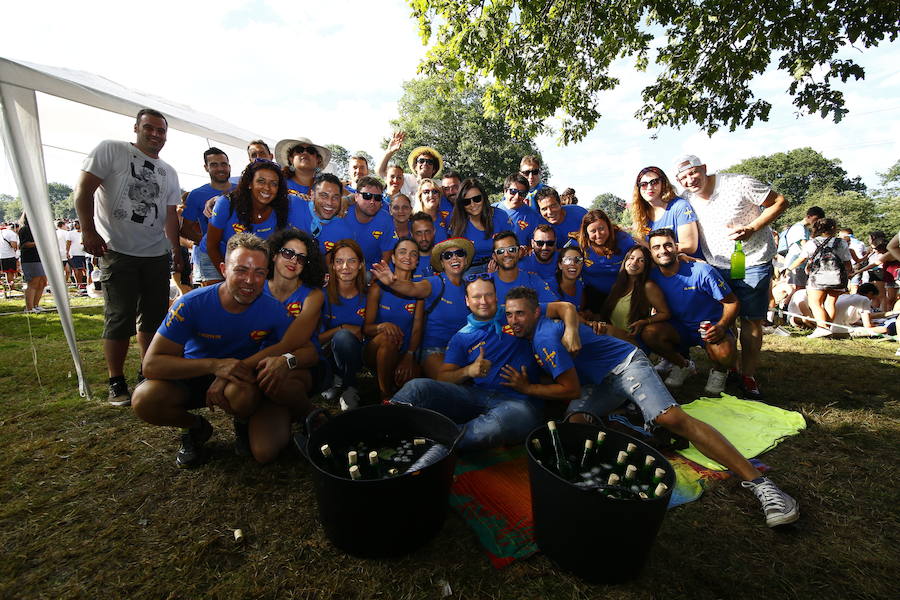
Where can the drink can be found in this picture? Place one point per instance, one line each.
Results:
(704, 327)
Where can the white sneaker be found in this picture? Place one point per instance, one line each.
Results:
(715, 383)
(781, 331)
(820, 332)
(349, 399)
(779, 508)
(663, 367)
(678, 374)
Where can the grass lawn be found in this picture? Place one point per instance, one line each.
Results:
(93, 506)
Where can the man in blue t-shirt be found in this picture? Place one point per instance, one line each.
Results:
(565, 220)
(606, 373)
(530, 169)
(509, 275)
(469, 389)
(695, 293)
(373, 229)
(543, 257)
(220, 346)
(320, 217)
(523, 217)
(421, 226)
(194, 222)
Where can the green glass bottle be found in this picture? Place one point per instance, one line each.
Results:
(737, 261)
(587, 457)
(375, 465)
(562, 464)
(355, 475)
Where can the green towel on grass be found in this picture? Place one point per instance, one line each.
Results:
(753, 427)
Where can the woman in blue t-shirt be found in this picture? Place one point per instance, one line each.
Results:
(567, 282)
(401, 211)
(394, 324)
(257, 205)
(604, 246)
(343, 315)
(654, 205)
(475, 219)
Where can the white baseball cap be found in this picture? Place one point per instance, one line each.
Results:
(686, 162)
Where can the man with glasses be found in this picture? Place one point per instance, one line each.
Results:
(372, 228)
(450, 184)
(194, 221)
(321, 216)
(542, 259)
(509, 275)
(530, 169)
(565, 220)
(523, 217)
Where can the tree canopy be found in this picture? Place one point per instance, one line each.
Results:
(798, 173)
(611, 204)
(549, 58)
(435, 113)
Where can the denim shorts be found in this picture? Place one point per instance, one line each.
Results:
(752, 290)
(30, 270)
(633, 379)
(77, 262)
(204, 270)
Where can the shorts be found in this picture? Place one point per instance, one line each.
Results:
(752, 290)
(185, 278)
(77, 262)
(137, 291)
(8, 265)
(204, 270)
(798, 276)
(424, 353)
(196, 389)
(30, 270)
(891, 325)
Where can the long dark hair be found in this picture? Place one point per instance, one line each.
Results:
(313, 273)
(640, 304)
(242, 200)
(562, 254)
(461, 217)
(332, 289)
(640, 208)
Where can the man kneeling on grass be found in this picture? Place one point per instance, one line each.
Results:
(614, 372)
(217, 348)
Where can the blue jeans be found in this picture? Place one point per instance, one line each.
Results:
(752, 290)
(490, 418)
(345, 353)
(633, 380)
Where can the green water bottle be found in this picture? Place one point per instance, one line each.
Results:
(737, 261)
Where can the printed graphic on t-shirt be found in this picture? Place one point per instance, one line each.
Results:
(147, 181)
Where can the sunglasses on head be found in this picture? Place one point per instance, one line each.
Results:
(474, 199)
(371, 196)
(289, 254)
(507, 250)
(426, 161)
(530, 172)
(651, 183)
(307, 149)
(448, 254)
(516, 192)
(476, 276)
(543, 243)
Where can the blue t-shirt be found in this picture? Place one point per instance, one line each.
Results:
(678, 212)
(196, 202)
(198, 322)
(294, 306)
(449, 313)
(423, 269)
(399, 310)
(524, 219)
(600, 272)
(226, 219)
(532, 193)
(547, 271)
(300, 216)
(529, 280)
(375, 237)
(577, 299)
(501, 347)
(445, 211)
(483, 240)
(300, 192)
(567, 231)
(347, 311)
(693, 294)
(599, 354)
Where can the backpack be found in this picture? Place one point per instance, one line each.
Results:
(826, 268)
(782, 242)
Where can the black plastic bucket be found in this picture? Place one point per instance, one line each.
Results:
(382, 517)
(600, 539)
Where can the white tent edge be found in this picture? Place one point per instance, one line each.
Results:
(19, 82)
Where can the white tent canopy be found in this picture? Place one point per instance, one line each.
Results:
(19, 81)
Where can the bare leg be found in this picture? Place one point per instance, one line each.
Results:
(161, 402)
(432, 365)
(115, 352)
(751, 345)
(816, 300)
(663, 339)
(270, 425)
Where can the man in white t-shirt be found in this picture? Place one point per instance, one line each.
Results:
(126, 199)
(9, 246)
(736, 208)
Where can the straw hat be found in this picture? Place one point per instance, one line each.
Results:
(425, 150)
(461, 243)
(282, 148)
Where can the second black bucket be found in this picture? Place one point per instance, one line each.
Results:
(601, 540)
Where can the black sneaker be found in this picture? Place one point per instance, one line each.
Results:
(118, 392)
(242, 439)
(191, 452)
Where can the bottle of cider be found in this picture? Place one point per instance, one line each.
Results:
(737, 261)
(562, 464)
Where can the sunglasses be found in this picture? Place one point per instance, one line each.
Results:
(307, 149)
(476, 276)
(431, 192)
(507, 250)
(371, 196)
(543, 243)
(651, 183)
(448, 254)
(530, 172)
(474, 199)
(516, 192)
(426, 161)
(289, 254)
(572, 260)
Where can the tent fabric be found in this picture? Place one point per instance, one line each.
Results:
(22, 138)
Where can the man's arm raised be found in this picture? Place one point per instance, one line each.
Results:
(450, 373)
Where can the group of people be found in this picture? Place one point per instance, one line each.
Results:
(481, 311)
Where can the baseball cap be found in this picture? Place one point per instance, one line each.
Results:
(686, 162)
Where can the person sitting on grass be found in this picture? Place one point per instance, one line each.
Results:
(695, 292)
(606, 373)
(217, 348)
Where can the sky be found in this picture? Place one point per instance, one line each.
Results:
(333, 72)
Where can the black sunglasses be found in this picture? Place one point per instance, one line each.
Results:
(372, 196)
(448, 254)
(426, 161)
(307, 149)
(516, 192)
(543, 243)
(289, 254)
(530, 172)
(476, 199)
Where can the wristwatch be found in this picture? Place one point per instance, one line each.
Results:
(291, 360)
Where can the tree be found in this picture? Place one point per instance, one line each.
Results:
(550, 57)
(798, 173)
(890, 180)
(850, 209)
(62, 200)
(611, 204)
(435, 113)
(10, 208)
(340, 160)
